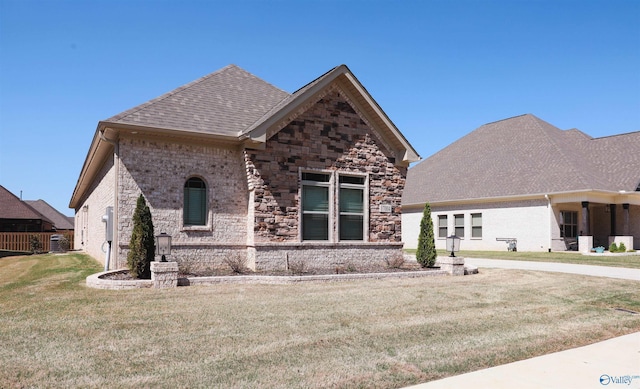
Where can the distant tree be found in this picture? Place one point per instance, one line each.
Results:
(426, 253)
(142, 245)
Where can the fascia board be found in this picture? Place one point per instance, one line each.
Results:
(409, 154)
(582, 195)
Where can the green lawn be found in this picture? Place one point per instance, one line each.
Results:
(630, 261)
(388, 333)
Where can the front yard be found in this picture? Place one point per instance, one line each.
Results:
(374, 333)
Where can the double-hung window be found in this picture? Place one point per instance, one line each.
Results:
(459, 225)
(334, 206)
(351, 195)
(442, 226)
(476, 225)
(315, 206)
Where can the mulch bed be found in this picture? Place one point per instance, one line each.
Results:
(124, 275)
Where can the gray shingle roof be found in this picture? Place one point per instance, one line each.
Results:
(224, 102)
(11, 207)
(60, 221)
(524, 155)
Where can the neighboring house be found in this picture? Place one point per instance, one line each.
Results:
(522, 178)
(233, 166)
(18, 216)
(61, 222)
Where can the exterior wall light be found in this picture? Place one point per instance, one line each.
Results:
(163, 245)
(453, 245)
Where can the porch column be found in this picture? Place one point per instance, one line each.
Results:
(585, 219)
(625, 218)
(612, 210)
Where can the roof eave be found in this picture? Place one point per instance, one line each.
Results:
(621, 196)
(109, 132)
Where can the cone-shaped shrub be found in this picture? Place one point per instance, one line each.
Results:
(142, 245)
(426, 253)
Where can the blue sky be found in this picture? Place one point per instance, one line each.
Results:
(439, 69)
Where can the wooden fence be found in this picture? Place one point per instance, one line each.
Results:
(22, 241)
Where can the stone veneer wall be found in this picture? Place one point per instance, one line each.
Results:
(329, 135)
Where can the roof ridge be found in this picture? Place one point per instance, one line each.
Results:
(569, 156)
(172, 92)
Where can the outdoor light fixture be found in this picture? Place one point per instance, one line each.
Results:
(453, 244)
(163, 245)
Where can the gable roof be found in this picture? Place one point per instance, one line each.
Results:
(60, 221)
(232, 105)
(11, 207)
(521, 156)
(348, 85)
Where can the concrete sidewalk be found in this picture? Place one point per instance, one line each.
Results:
(614, 363)
(588, 270)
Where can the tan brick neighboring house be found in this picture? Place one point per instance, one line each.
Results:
(233, 166)
(522, 178)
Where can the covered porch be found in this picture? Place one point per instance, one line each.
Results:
(586, 220)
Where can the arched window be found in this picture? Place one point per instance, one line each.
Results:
(195, 202)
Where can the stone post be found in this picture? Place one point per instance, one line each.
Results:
(164, 274)
(452, 265)
(585, 244)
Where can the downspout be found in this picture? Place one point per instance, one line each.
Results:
(546, 196)
(116, 152)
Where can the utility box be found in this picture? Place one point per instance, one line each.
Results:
(108, 220)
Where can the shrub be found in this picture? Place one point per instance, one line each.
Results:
(142, 245)
(34, 244)
(426, 253)
(622, 248)
(395, 261)
(63, 243)
(613, 247)
(297, 267)
(237, 263)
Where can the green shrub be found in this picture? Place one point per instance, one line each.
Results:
(142, 245)
(613, 247)
(34, 244)
(63, 243)
(426, 253)
(622, 248)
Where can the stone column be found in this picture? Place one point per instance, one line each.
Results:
(452, 265)
(164, 274)
(585, 219)
(625, 219)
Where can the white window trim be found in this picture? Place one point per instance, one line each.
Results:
(334, 198)
(331, 186)
(365, 203)
(471, 226)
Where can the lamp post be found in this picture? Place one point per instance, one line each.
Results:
(163, 245)
(453, 245)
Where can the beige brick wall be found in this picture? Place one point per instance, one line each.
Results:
(90, 230)
(159, 169)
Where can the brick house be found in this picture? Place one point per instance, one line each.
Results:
(524, 179)
(233, 166)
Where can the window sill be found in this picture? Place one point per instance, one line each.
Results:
(196, 228)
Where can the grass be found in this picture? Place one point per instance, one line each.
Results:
(373, 334)
(630, 261)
